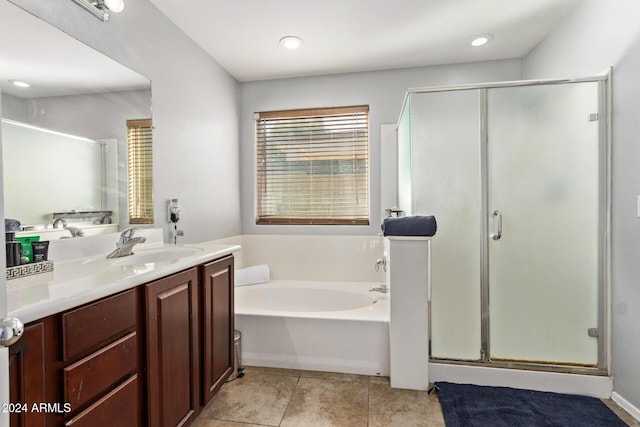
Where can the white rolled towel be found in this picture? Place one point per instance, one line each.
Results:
(252, 275)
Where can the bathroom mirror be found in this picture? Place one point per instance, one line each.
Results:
(64, 138)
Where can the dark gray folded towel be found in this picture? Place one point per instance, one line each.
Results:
(409, 226)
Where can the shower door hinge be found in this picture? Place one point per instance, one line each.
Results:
(593, 332)
(593, 117)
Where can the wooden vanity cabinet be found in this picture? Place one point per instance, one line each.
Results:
(216, 297)
(189, 341)
(80, 367)
(150, 356)
(173, 364)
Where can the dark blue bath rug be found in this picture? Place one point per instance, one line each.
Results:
(465, 405)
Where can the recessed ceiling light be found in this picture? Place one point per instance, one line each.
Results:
(291, 42)
(19, 83)
(481, 40)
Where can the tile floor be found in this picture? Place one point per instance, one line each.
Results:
(294, 398)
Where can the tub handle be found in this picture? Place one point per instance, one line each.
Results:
(497, 221)
(381, 262)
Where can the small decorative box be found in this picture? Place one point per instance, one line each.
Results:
(27, 275)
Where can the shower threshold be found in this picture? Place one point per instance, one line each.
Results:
(563, 368)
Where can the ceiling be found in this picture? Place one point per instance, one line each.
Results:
(339, 36)
(343, 36)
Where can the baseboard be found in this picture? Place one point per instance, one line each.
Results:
(587, 385)
(626, 405)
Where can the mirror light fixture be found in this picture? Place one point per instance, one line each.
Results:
(291, 42)
(481, 40)
(101, 8)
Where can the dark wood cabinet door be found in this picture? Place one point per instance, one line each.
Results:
(27, 377)
(172, 349)
(216, 293)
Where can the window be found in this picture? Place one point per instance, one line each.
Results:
(140, 171)
(313, 166)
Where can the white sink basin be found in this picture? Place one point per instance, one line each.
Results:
(165, 253)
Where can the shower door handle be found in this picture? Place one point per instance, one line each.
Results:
(497, 225)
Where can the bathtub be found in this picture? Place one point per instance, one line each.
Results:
(321, 326)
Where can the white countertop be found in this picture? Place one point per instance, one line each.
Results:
(82, 280)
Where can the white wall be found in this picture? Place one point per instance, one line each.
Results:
(383, 91)
(334, 258)
(194, 110)
(599, 34)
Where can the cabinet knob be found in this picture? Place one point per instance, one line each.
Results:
(11, 330)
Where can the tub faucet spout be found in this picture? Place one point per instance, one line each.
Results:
(382, 288)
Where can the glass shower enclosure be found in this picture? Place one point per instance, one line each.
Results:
(517, 177)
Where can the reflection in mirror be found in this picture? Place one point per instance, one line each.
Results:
(64, 138)
(87, 185)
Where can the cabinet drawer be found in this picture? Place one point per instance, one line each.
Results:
(118, 408)
(91, 376)
(91, 325)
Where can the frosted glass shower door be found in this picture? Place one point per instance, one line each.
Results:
(445, 174)
(544, 221)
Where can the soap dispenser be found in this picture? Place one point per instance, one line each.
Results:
(174, 216)
(174, 211)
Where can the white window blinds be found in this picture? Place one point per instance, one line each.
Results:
(140, 171)
(313, 166)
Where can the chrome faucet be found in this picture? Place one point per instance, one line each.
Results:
(75, 231)
(126, 243)
(383, 288)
